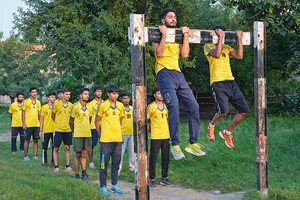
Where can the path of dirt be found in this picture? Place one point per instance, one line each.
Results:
(4, 137)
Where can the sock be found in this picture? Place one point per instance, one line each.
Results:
(55, 166)
(67, 166)
(83, 172)
(227, 132)
(211, 125)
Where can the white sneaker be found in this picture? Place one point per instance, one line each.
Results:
(35, 158)
(177, 153)
(56, 170)
(68, 169)
(92, 165)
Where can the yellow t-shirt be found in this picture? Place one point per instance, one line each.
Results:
(110, 121)
(31, 113)
(48, 124)
(127, 122)
(94, 107)
(62, 116)
(219, 68)
(81, 120)
(170, 58)
(16, 111)
(158, 122)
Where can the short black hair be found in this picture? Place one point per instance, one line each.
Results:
(112, 88)
(83, 90)
(18, 94)
(97, 88)
(220, 27)
(33, 88)
(165, 11)
(155, 90)
(51, 93)
(124, 94)
(60, 91)
(65, 90)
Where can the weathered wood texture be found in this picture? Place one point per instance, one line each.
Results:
(260, 106)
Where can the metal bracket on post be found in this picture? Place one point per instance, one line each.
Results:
(260, 104)
(139, 100)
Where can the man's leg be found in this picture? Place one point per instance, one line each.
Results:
(67, 139)
(77, 159)
(22, 138)
(124, 145)
(236, 121)
(116, 159)
(165, 151)
(154, 149)
(131, 153)
(14, 135)
(67, 154)
(45, 148)
(26, 144)
(105, 151)
(57, 141)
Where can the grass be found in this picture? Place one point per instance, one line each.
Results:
(224, 169)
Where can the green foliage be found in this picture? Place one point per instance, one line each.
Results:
(21, 67)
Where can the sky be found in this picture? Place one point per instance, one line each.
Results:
(7, 8)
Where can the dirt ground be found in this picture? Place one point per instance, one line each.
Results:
(162, 192)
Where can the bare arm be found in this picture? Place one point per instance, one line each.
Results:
(218, 50)
(10, 115)
(239, 54)
(159, 48)
(185, 47)
(71, 123)
(53, 116)
(121, 119)
(97, 124)
(41, 125)
(23, 120)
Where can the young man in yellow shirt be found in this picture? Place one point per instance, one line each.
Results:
(108, 124)
(225, 90)
(127, 132)
(95, 137)
(47, 127)
(80, 120)
(158, 127)
(63, 132)
(31, 123)
(15, 114)
(173, 86)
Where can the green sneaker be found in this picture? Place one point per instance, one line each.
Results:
(177, 153)
(195, 149)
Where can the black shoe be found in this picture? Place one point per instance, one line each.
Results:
(77, 176)
(45, 165)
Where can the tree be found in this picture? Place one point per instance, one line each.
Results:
(21, 67)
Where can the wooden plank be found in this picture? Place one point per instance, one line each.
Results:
(152, 34)
(137, 47)
(260, 103)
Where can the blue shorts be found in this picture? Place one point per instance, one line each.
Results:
(225, 92)
(95, 137)
(66, 137)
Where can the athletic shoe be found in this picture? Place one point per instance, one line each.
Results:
(14, 152)
(195, 149)
(45, 165)
(26, 158)
(104, 191)
(227, 138)
(56, 169)
(152, 184)
(177, 153)
(68, 169)
(116, 189)
(166, 182)
(211, 132)
(35, 158)
(85, 176)
(77, 176)
(92, 165)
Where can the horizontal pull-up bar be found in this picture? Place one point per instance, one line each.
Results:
(152, 34)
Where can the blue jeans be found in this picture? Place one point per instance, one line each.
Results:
(173, 86)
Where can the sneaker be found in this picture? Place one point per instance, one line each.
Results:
(227, 138)
(152, 184)
(84, 176)
(211, 132)
(35, 158)
(56, 169)
(116, 189)
(166, 182)
(92, 165)
(26, 158)
(177, 153)
(104, 191)
(45, 165)
(77, 176)
(68, 169)
(13, 152)
(195, 149)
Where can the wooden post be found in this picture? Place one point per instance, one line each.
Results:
(139, 100)
(260, 104)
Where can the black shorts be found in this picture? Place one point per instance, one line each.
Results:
(66, 137)
(225, 92)
(32, 131)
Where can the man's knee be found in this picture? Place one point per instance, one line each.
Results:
(67, 148)
(244, 114)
